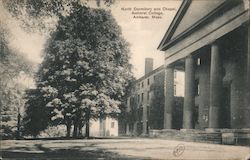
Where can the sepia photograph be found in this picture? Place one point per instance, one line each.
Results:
(125, 79)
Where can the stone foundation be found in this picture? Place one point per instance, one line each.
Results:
(236, 136)
(216, 136)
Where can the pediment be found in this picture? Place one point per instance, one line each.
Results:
(191, 13)
(195, 12)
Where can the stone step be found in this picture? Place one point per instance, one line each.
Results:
(224, 136)
(188, 135)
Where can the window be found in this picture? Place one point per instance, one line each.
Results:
(148, 112)
(112, 124)
(138, 98)
(197, 88)
(148, 95)
(175, 74)
(142, 95)
(157, 93)
(175, 90)
(148, 82)
(128, 100)
(198, 61)
(132, 101)
(142, 84)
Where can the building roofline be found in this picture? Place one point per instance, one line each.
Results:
(166, 42)
(173, 25)
(153, 72)
(150, 73)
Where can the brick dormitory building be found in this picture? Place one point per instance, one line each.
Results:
(145, 105)
(209, 42)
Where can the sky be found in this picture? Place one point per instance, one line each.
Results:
(143, 35)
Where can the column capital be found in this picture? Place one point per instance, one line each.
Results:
(189, 56)
(215, 42)
(169, 66)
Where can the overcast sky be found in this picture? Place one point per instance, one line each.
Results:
(144, 35)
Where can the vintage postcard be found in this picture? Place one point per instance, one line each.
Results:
(125, 79)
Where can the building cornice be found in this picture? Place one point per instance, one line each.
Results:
(149, 74)
(179, 15)
(167, 42)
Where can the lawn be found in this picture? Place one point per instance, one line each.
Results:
(133, 148)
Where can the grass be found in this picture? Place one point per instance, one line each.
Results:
(58, 148)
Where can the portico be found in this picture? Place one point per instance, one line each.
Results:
(210, 44)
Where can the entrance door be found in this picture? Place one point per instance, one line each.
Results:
(225, 106)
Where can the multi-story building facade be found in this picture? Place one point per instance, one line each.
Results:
(139, 103)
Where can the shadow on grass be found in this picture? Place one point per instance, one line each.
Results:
(75, 152)
(73, 138)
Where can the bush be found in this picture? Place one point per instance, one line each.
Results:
(53, 131)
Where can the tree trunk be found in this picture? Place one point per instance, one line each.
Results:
(87, 128)
(87, 123)
(18, 125)
(68, 125)
(75, 132)
(80, 129)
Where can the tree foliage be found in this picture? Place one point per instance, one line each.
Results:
(39, 14)
(11, 103)
(12, 64)
(38, 8)
(86, 67)
(125, 117)
(37, 116)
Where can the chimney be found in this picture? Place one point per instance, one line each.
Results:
(148, 65)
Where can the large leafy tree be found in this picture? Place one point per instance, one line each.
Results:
(86, 67)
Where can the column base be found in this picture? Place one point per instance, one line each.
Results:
(213, 117)
(168, 121)
(189, 130)
(213, 130)
(187, 119)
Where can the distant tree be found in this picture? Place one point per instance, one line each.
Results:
(12, 64)
(86, 64)
(11, 103)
